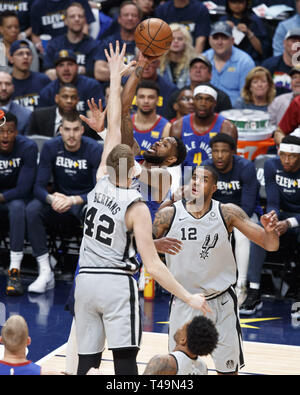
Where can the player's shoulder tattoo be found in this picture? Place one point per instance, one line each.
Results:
(231, 212)
(160, 364)
(163, 220)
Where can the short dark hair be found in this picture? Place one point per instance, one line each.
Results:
(223, 138)
(148, 84)
(7, 14)
(180, 152)
(210, 169)
(10, 117)
(67, 85)
(71, 117)
(202, 336)
(291, 140)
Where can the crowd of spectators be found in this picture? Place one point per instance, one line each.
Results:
(52, 62)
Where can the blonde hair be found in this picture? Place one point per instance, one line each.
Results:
(14, 333)
(119, 163)
(188, 53)
(258, 72)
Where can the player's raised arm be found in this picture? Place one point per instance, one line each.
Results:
(117, 68)
(266, 236)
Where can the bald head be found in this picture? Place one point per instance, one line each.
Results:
(15, 333)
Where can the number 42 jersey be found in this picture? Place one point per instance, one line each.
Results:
(107, 245)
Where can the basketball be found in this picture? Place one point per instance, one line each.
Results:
(153, 37)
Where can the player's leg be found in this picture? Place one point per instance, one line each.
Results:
(228, 355)
(90, 333)
(122, 321)
(125, 361)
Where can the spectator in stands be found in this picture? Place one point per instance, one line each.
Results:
(259, 90)
(27, 83)
(230, 65)
(128, 19)
(47, 17)
(47, 121)
(237, 183)
(283, 27)
(67, 72)
(22, 8)
(174, 64)
(146, 7)
(201, 73)
(166, 88)
(181, 103)
(191, 13)
(280, 104)
(18, 158)
(148, 126)
(10, 31)
(197, 128)
(81, 44)
(7, 103)
(282, 175)
(281, 65)
(72, 161)
(289, 122)
(256, 41)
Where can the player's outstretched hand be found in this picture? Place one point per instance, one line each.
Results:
(115, 60)
(96, 116)
(269, 221)
(198, 302)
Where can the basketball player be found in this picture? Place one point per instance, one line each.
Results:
(106, 294)
(149, 127)
(206, 262)
(194, 339)
(196, 129)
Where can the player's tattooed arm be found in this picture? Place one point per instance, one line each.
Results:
(162, 221)
(161, 365)
(265, 236)
(231, 214)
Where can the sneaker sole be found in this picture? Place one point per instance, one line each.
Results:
(253, 311)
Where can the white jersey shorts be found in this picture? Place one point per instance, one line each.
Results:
(228, 355)
(106, 307)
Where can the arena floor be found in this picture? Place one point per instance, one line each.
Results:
(271, 338)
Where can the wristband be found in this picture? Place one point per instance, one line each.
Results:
(293, 223)
(73, 199)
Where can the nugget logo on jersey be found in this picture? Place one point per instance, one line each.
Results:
(29, 101)
(80, 164)
(287, 182)
(11, 163)
(228, 186)
(16, 6)
(56, 20)
(207, 245)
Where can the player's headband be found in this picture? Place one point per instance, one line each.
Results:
(207, 90)
(290, 148)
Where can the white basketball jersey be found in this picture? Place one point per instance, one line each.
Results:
(206, 263)
(106, 242)
(189, 366)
